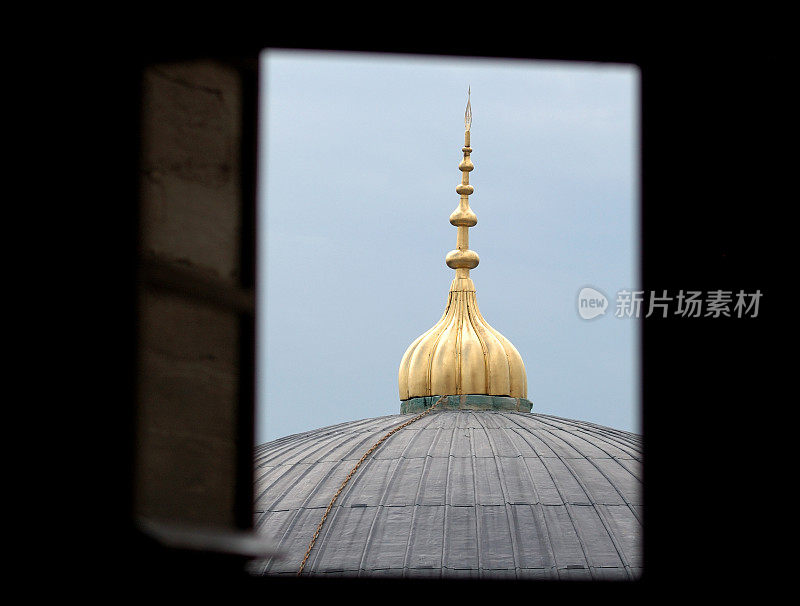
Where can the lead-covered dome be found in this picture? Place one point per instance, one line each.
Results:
(489, 494)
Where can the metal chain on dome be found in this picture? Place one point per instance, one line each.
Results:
(350, 475)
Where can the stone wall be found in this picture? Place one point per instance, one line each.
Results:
(194, 398)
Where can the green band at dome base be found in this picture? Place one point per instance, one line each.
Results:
(466, 402)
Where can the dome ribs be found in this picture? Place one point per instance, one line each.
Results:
(475, 476)
(628, 553)
(416, 505)
(578, 434)
(484, 494)
(322, 543)
(389, 485)
(505, 494)
(624, 440)
(296, 441)
(302, 445)
(341, 468)
(564, 550)
(289, 467)
(583, 528)
(615, 485)
(370, 460)
(447, 515)
(536, 507)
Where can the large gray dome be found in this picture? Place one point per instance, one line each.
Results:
(454, 494)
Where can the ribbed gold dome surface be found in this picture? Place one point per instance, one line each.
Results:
(462, 353)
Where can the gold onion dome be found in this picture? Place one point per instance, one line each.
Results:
(462, 356)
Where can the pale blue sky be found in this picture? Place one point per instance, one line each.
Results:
(358, 167)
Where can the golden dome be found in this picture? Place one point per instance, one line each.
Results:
(462, 353)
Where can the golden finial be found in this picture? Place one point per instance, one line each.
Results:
(462, 355)
(462, 259)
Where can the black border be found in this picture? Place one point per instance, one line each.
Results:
(714, 116)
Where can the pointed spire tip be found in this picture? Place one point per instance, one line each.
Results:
(468, 112)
